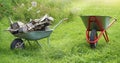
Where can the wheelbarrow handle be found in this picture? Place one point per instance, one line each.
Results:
(59, 23)
(113, 21)
(11, 22)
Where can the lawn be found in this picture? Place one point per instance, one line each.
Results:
(67, 42)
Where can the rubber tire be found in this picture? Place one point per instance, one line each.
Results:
(92, 38)
(17, 41)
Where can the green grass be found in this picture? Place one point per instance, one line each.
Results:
(67, 42)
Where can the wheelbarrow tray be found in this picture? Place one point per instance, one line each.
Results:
(103, 20)
(34, 35)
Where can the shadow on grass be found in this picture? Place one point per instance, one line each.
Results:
(84, 47)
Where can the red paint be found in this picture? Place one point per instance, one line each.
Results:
(102, 30)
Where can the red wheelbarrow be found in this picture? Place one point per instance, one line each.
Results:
(95, 24)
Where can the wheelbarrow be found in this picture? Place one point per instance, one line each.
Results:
(32, 36)
(94, 24)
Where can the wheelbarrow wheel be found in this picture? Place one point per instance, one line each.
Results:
(17, 44)
(93, 36)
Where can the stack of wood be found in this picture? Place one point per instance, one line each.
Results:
(41, 24)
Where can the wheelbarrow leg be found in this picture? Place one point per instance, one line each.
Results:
(106, 36)
(48, 41)
(29, 43)
(38, 43)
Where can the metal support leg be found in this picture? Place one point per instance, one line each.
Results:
(48, 41)
(29, 43)
(38, 43)
(106, 36)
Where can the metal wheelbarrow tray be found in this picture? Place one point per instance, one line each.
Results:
(32, 36)
(94, 24)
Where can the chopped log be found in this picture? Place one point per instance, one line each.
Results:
(41, 24)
